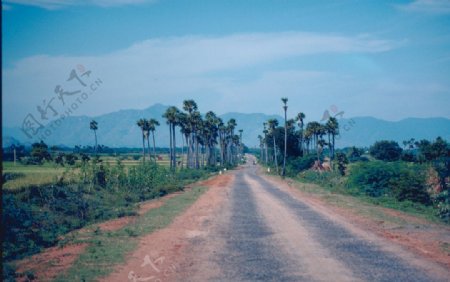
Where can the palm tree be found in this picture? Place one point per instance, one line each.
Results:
(273, 123)
(231, 125)
(146, 131)
(332, 127)
(320, 143)
(211, 130)
(265, 131)
(171, 115)
(183, 122)
(307, 136)
(142, 124)
(261, 150)
(300, 118)
(222, 132)
(241, 149)
(152, 124)
(197, 126)
(190, 106)
(94, 126)
(284, 100)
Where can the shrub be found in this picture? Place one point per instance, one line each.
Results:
(342, 162)
(400, 180)
(442, 204)
(386, 151)
(297, 165)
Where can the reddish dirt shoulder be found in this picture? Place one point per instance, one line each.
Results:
(159, 254)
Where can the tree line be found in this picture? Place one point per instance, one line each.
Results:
(306, 140)
(208, 140)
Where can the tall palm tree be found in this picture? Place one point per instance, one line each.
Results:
(320, 143)
(265, 131)
(211, 126)
(171, 115)
(307, 136)
(152, 124)
(142, 124)
(197, 126)
(222, 133)
(332, 127)
(190, 106)
(273, 123)
(261, 149)
(300, 119)
(231, 125)
(94, 126)
(285, 100)
(241, 149)
(183, 122)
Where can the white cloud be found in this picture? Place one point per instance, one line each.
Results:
(168, 70)
(427, 6)
(59, 4)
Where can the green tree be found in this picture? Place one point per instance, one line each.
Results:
(386, 151)
(342, 162)
(300, 118)
(142, 123)
(332, 129)
(94, 126)
(272, 124)
(152, 124)
(39, 152)
(285, 107)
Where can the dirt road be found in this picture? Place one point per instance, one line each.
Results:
(250, 228)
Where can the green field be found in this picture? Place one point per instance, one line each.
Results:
(26, 175)
(49, 172)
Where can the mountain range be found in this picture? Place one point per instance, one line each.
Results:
(119, 129)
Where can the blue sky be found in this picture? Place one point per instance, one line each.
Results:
(387, 59)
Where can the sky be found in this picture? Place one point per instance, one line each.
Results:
(386, 59)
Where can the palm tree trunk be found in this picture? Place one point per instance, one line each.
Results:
(267, 152)
(285, 144)
(174, 148)
(171, 144)
(182, 150)
(154, 146)
(275, 153)
(143, 147)
(95, 149)
(197, 160)
(148, 146)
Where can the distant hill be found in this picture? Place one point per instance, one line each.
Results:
(118, 129)
(364, 131)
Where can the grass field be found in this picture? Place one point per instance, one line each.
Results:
(49, 172)
(26, 175)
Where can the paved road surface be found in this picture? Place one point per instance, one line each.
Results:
(265, 234)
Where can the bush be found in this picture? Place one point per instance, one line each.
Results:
(36, 217)
(399, 180)
(297, 165)
(342, 162)
(442, 204)
(386, 151)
